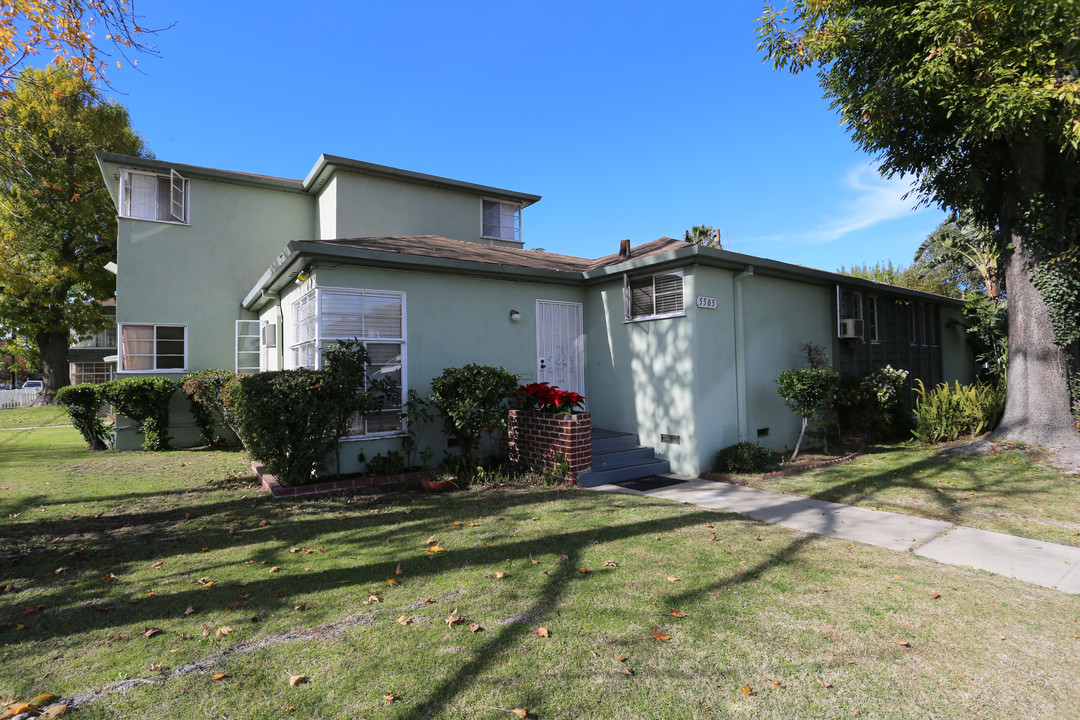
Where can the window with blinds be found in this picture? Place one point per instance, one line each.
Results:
(501, 220)
(653, 296)
(377, 319)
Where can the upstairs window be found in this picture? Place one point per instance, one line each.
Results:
(501, 220)
(154, 197)
(849, 313)
(653, 296)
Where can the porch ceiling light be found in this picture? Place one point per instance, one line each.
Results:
(301, 276)
(515, 316)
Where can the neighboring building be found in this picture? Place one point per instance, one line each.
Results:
(89, 357)
(678, 343)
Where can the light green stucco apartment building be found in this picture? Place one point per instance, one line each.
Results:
(677, 343)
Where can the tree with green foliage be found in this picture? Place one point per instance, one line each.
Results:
(917, 276)
(981, 103)
(705, 235)
(57, 222)
(966, 250)
(472, 401)
(805, 389)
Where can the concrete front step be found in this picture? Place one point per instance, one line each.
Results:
(617, 457)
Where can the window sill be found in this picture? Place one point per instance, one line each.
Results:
(154, 220)
(374, 436)
(646, 318)
(152, 372)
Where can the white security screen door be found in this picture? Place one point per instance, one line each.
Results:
(560, 346)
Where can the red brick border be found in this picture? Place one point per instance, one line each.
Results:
(537, 439)
(330, 487)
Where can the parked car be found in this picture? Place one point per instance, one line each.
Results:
(33, 385)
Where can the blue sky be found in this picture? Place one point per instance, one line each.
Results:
(632, 119)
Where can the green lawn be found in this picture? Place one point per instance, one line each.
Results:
(34, 417)
(1008, 491)
(171, 568)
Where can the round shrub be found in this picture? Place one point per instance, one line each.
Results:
(146, 401)
(743, 457)
(204, 389)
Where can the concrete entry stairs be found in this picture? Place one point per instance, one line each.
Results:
(618, 456)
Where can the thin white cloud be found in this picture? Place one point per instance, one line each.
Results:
(876, 200)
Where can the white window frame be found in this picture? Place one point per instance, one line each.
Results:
(248, 367)
(318, 340)
(872, 325)
(628, 304)
(514, 216)
(155, 370)
(179, 197)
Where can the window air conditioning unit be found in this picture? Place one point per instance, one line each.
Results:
(850, 328)
(269, 335)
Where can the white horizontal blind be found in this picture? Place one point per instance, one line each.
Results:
(669, 294)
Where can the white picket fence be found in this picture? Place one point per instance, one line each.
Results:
(10, 399)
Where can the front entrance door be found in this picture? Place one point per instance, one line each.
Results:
(560, 346)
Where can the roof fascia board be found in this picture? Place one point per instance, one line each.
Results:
(108, 162)
(327, 164)
(712, 257)
(299, 254)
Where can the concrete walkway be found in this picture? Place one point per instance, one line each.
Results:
(1032, 561)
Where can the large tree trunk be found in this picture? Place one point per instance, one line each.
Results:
(1037, 410)
(53, 347)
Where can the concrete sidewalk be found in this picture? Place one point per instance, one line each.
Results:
(1032, 561)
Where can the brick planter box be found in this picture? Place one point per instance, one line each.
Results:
(330, 487)
(538, 439)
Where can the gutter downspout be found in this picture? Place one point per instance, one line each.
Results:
(740, 353)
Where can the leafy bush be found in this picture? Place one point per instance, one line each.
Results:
(743, 457)
(203, 390)
(146, 401)
(472, 400)
(83, 403)
(870, 403)
(291, 420)
(945, 414)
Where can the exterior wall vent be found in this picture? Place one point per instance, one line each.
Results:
(671, 439)
(763, 432)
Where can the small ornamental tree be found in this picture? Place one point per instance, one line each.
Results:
(472, 400)
(805, 389)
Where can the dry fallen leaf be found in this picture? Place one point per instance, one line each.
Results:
(53, 711)
(610, 563)
(520, 712)
(222, 631)
(109, 578)
(189, 610)
(430, 540)
(295, 680)
(218, 676)
(673, 578)
(904, 643)
(399, 571)
(389, 697)
(158, 564)
(564, 558)
(935, 595)
(542, 632)
(151, 631)
(155, 666)
(676, 613)
(584, 570)
(474, 628)
(500, 575)
(747, 690)
(294, 550)
(436, 548)
(662, 638)
(276, 568)
(391, 582)
(300, 608)
(453, 618)
(775, 683)
(825, 684)
(404, 620)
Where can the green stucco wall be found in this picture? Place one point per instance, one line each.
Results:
(198, 274)
(353, 205)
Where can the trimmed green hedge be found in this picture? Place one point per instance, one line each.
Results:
(146, 401)
(204, 389)
(83, 403)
